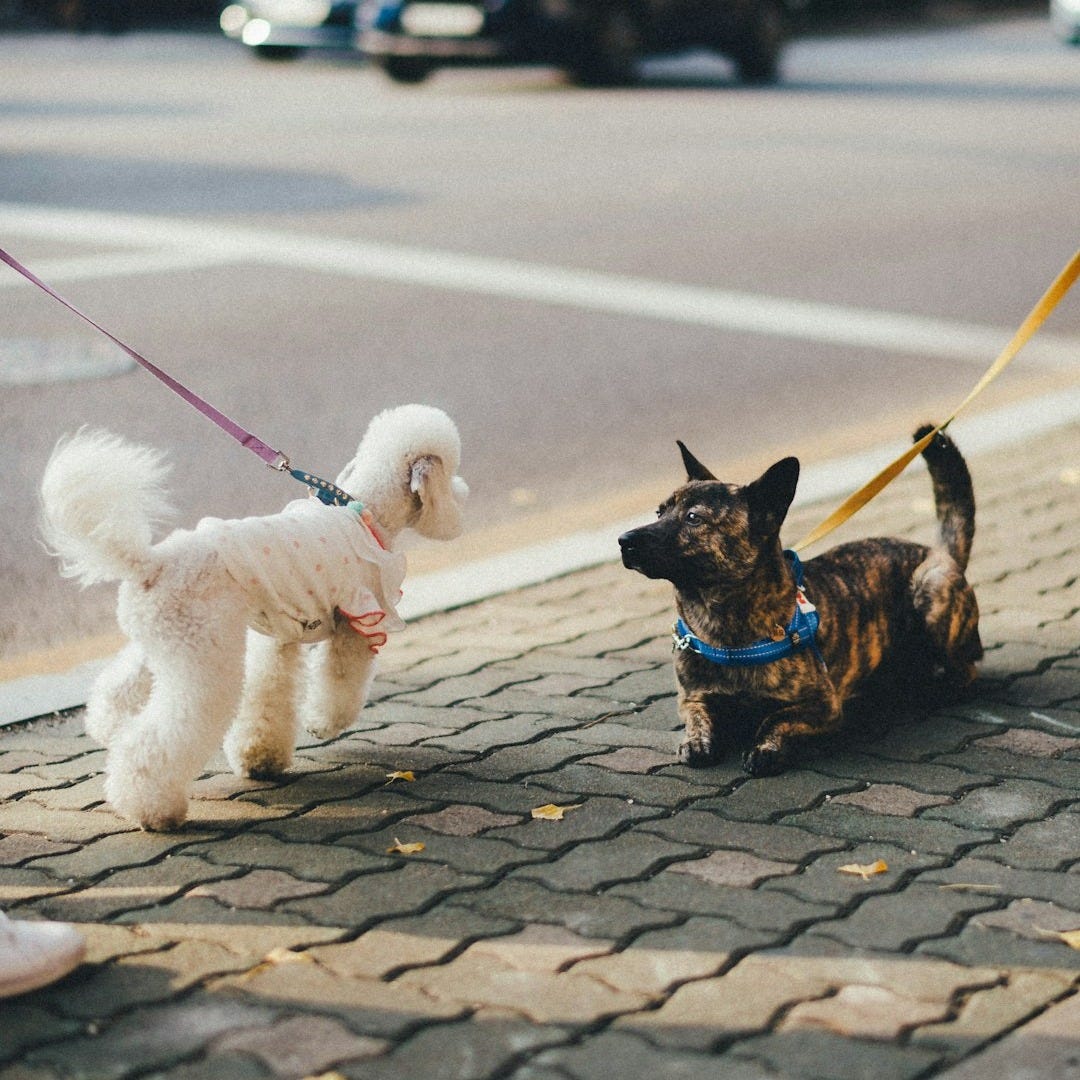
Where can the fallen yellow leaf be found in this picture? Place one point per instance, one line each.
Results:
(400, 774)
(404, 849)
(1069, 937)
(551, 812)
(865, 870)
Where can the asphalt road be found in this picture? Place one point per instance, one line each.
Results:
(578, 277)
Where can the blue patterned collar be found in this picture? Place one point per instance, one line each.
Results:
(800, 634)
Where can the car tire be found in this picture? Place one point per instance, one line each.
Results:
(277, 53)
(757, 54)
(408, 70)
(610, 50)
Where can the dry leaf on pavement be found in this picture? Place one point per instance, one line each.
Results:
(1069, 937)
(400, 774)
(865, 870)
(551, 812)
(404, 849)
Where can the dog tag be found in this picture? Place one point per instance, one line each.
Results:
(778, 633)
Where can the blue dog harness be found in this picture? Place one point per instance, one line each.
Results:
(800, 634)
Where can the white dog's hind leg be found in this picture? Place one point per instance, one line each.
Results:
(339, 678)
(262, 738)
(154, 758)
(121, 691)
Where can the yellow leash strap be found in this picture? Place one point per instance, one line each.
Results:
(1039, 314)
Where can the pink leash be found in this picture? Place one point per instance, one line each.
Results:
(327, 492)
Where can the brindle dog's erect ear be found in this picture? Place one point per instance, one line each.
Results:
(770, 495)
(694, 469)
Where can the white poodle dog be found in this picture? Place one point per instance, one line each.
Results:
(312, 573)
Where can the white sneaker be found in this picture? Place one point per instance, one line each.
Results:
(34, 954)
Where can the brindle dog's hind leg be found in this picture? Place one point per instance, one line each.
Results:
(950, 613)
(781, 731)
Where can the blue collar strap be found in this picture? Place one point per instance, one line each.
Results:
(799, 634)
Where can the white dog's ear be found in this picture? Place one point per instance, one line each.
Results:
(440, 498)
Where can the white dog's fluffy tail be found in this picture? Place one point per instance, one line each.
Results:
(101, 498)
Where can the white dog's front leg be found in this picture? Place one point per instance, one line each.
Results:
(120, 692)
(262, 737)
(339, 677)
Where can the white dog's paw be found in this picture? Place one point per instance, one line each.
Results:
(327, 727)
(260, 763)
(160, 811)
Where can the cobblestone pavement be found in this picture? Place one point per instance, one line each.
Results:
(675, 923)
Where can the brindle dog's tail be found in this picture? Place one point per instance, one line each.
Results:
(954, 498)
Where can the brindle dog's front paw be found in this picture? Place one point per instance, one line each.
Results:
(764, 760)
(697, 752)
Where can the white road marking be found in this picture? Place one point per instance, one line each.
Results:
(194, 244)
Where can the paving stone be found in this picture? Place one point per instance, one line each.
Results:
(983, 1013)
(501, 731)
(514, 762)
(130, 890)
(1001, 806)
(408, 888)
(478, 979)
(864, 1012)
(751, 908)
(368, 1007)
(27, 1024)
(891, 799)
(259, 889)
(929, 777)
(1028, 742)
(485, 1045)
(149, 1038)
(311, 862)
(825, 1055)
(606, 916)
(16, 848)
(1005, 882)
(649, 790)
(848, 823)
(1059, 770)
(595, 819)
(462, 820)
(1040, 845)
(784, 843)
(740, 1002)
(466, 854)
(738, 869)
(622, 1054)
(1036, 919)
(897, 921)
(1042, 1049)
(823, 882)
(639, 748)
(299, 1045)
(74, 826)
(770, 798)
(591, 866)
(658, 959)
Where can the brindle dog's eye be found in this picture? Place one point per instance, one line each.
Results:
(659, 511)
(693, 517)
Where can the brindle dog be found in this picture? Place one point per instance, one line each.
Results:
(894, 615)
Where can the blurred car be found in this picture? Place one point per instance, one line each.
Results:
(1065, 19)
(597, 42)
(283, 29)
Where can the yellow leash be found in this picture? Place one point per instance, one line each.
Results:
(1039, 314)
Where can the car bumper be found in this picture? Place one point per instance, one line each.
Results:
(447, 50)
